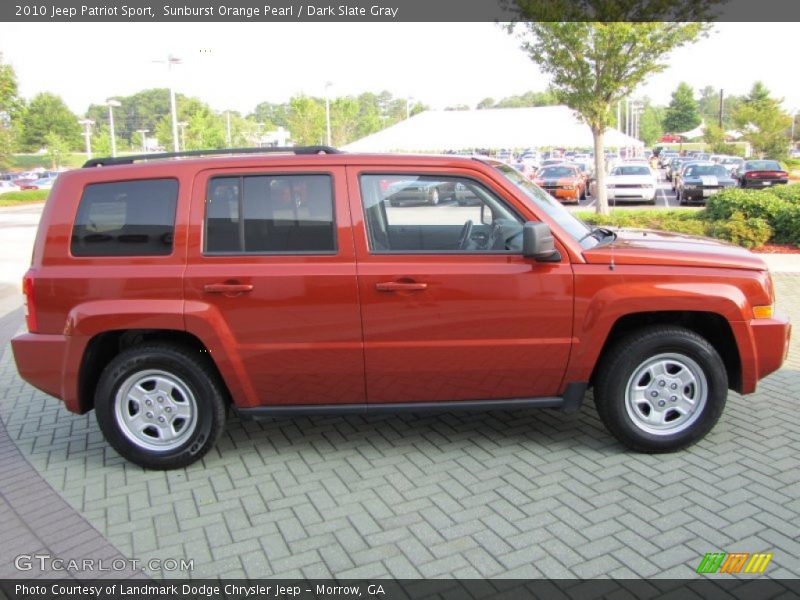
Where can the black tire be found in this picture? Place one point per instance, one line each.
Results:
(202, 391)
(628, 356)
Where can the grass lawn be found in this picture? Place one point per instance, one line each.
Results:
(23, 197)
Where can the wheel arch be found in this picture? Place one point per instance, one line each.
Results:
(103, 347)
(711, 326)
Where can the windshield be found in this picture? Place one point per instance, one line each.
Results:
(554, 209)
(762, 165)
(630, 171)
(557, 172)
(704, 170)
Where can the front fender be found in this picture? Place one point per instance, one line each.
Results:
(597, 309)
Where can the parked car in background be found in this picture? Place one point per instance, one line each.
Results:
(532, 158)
(7, 186)
(732, 164)
(673, 166)
(632, 182)
(564, 182)
(665, 157)
(549, 162)
(761, 173)
(525, 168)
(419, 191)
(700, 181)
(44, 183)
(676, 176)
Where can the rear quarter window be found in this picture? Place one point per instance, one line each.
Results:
(126, 218)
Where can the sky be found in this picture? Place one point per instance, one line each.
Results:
(237, 65)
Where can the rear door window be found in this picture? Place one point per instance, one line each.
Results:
(258, 214)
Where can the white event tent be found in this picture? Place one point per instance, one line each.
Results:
(512, 128)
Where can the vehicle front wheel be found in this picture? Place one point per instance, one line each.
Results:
(661, 388)
(161, 406)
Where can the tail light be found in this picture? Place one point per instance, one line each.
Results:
(28, 290)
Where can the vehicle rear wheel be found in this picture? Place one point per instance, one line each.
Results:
(434, 196)
(161, 406)
(661, 388)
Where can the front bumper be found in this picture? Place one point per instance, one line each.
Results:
(771, 341)
(643, 193)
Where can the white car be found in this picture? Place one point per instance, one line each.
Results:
(632, 182)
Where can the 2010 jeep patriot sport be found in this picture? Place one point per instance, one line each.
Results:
(162, 291)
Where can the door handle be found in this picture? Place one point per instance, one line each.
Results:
(400, 286)
(227, 288)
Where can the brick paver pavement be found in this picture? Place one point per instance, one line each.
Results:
(523, 494)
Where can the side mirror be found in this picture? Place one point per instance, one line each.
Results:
(538, 242)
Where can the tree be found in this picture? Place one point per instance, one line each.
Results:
(10, 107)
(650, 128)
(344, 120)
(763, 123)
(47, 113)
(682, 114)
(594, 65)
(487, 102)
(57, 148)
(714, 136)
(545, 98)
(307, 120)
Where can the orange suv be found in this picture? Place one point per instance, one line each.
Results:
(166, 289)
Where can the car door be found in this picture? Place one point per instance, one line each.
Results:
(451, 309)
(270, 284)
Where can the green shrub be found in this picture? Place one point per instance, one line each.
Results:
(758, 204)
(790, 193)
(786, 224)
(743, 231)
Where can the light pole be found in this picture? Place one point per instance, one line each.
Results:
(111, 103)
(87, 134)
(794, 118)
(228, 136)
(328, 110)
(408, 107)
(172, 60)
(183, 125)
(144, 139)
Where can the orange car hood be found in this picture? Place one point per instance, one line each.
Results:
(647, 247)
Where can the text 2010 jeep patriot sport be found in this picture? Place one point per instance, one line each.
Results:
(162, 291)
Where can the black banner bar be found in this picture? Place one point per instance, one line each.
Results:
(751, 588)
(265, 11)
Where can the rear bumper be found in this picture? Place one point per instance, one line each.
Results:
(42, 361)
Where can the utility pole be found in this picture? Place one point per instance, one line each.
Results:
(172, 60)
(87, 135)
(144, 139)
(111, 104)
(328, 111)
(721, 105)
(183, 125)
(228, 137)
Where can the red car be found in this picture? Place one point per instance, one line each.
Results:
(761, 174)
(162, 292)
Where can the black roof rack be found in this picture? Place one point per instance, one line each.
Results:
(127, 160)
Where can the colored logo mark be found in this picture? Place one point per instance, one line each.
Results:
(734, 562)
